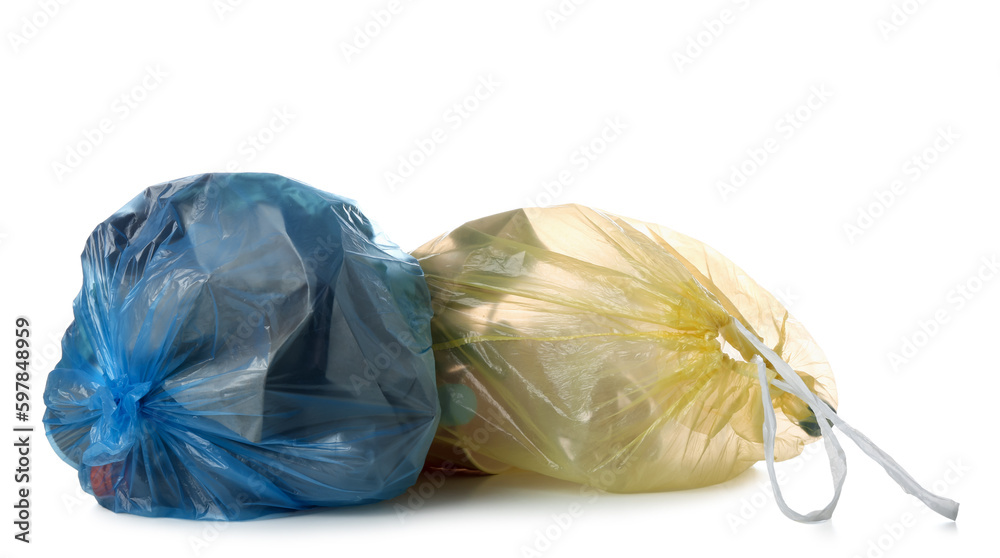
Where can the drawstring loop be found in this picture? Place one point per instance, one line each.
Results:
(825, 416)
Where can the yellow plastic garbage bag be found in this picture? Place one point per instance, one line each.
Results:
(621, 355)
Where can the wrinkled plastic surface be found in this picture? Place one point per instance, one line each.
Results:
(243, 344)
(602, 350)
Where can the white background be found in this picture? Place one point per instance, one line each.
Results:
(689, 112)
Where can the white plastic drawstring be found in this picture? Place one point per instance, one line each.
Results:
(793, 384)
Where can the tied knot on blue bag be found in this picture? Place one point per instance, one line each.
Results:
(115, 432)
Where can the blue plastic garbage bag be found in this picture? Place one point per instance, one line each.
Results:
(243, 344)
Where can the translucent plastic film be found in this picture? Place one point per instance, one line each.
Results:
(243, 344)
(603, 350)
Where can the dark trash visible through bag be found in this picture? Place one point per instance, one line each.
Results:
(243, 344)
